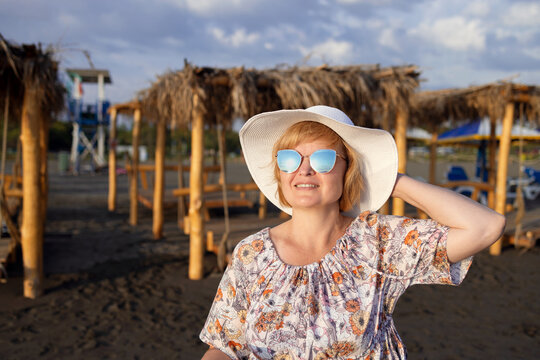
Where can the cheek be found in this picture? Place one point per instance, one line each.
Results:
(285, 182)
(338, 181)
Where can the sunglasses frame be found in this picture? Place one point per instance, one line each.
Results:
(336, 154)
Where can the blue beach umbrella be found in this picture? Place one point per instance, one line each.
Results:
(479, 129)
(478, 132)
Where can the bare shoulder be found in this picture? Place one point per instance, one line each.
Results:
(279, 232)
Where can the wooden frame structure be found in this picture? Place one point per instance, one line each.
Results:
(497, 101)
(29, 86)
(199, 96)
(137, 170)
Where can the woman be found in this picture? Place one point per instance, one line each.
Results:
(323, 284)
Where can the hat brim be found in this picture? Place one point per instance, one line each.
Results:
(376, 148)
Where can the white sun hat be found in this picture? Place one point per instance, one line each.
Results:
(376, 149)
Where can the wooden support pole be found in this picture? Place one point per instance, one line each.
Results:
(432, 167)
(196, 223)
(398, 205)
(112, 161)
(181, 213)
(133, 183)
(262, 206)
(502, 169)
(44, 126)
(433, 159)
(159, 180)
(32, 228)
(492, 164)
(385, 208)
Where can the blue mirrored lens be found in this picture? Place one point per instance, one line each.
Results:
(288, 160)
(323, 161)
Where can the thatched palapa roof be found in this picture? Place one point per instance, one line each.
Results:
(29, 66)
(367, 93)
(434, 107)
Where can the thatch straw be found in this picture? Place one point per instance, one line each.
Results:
(360, 91)
(457, 105)
(23, 66)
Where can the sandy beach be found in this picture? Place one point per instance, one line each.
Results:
(113, 292)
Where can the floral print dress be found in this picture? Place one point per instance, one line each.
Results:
(337, 308)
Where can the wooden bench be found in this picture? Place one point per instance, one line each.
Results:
(7, 249)
(526, 240)
(145, 196)
(217, 203)
(9, 205)
(172, 199)
(477, 187)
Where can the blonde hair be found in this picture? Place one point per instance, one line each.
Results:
(310, 130)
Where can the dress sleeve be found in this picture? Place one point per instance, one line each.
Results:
(225, 326)
(416, 250)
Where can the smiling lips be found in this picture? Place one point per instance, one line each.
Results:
(308, 186)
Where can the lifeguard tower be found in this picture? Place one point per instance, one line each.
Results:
(89, 120)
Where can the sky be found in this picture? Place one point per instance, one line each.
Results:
(454, 43)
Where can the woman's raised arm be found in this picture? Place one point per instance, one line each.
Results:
(473, 227)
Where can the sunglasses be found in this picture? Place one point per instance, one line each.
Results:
(322, 161)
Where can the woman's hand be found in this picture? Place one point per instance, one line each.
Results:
(473, 227)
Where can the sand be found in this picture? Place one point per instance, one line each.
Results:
(113, 292)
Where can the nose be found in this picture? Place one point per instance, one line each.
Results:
(305, 167)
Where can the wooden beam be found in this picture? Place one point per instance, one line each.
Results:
(129, 106)
(477, 185)
(133, 187)
(398, 205)
(152, 167)
(112, 161)
(159, 180)
(502, 169)
(196, 223)
(210, 188)
(32, 226)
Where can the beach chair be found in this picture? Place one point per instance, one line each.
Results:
(532, 173)
(530, 185)
(458, 173)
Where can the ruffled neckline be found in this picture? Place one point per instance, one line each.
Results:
(341, 242)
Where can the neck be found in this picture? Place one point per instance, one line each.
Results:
(317, 228)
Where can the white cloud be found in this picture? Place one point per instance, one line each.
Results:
(285, 32)
(331, 51)
(477, 8)
(369, 2)
(387, 38)
(344, 19)
(374, 24)
(455, 33)
(237, 39)
(522, 36)
(210, 7)
(523, 14)
(533, 52)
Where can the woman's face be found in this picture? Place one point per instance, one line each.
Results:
(306, 188)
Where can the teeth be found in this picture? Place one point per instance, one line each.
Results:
(306, 186)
